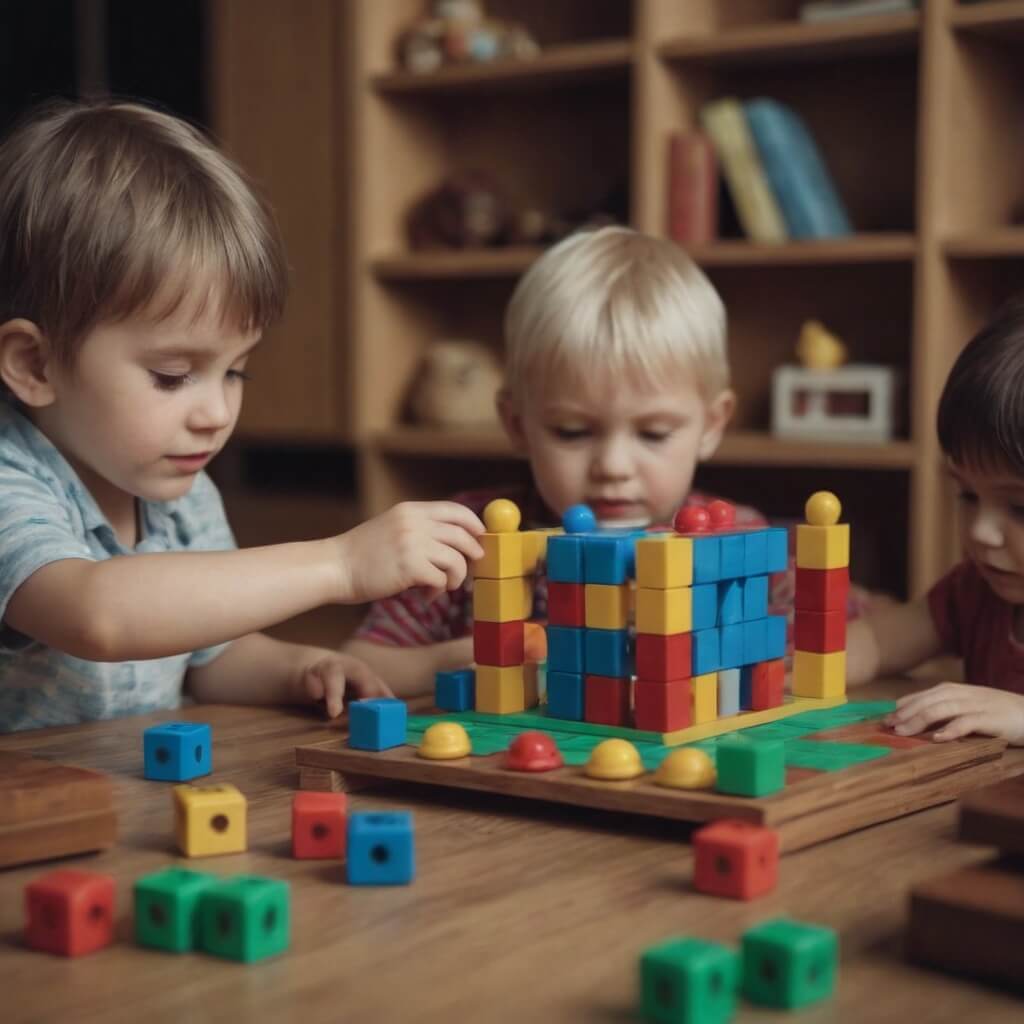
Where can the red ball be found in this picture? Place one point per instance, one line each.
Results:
(723, 515)
(532, 752)
(692, 519)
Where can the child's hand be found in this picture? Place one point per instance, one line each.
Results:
(335, 679)
(415, 544)
(964, 709)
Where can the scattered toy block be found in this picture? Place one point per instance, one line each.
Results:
(167, 908)
(789, 964)
(209, 820)
(245, 918)
(689, 981)
(70, 912)
(737, 859)
(319, 823)
(455, 690)
(377, 723)
(380, 848)
(177, 751)
(750, 767)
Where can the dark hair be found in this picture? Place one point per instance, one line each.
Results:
(981, 411)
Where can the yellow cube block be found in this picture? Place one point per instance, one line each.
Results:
(503, 600)
(503, 556)
(664, 562)
(209, 819)
(819, 675)
(535, 547)
(822, 547)
(502, 691)
(705, 698)
(664, 611)
(606, 605)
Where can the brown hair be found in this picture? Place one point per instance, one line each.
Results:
(107, 208)
(981, 411)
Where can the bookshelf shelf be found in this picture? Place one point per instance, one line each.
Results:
(463, 263)
(1000, 19)
(994, 244)
(481, 442)
(893, 247)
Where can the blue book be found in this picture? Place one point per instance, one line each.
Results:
(796, 172)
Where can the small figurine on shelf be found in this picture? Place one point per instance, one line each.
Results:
(467, 210)
(824, 400)
(456, 385)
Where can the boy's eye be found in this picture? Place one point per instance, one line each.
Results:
(570, 433)
(655, 435)
(967, 497)
(170, 381)
(238, 375)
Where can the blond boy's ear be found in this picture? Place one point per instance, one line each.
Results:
(511, 416)
(24, 356)
(719, 412)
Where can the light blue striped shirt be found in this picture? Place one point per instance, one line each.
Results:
(46, 515)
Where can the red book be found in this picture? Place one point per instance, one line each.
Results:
(692, 189)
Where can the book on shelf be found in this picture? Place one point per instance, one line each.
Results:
(756, 206)
(692, 189)
(838, 10)
(796, 171)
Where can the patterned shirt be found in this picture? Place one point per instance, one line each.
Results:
(46, 515)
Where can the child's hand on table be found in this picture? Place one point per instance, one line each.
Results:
(335, 679)
(964, 709)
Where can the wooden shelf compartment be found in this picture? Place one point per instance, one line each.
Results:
(997, 243)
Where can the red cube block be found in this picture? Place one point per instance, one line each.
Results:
(767, 681)
(735, 858)
(319, 825)
(663, 706)
(567, 605)
(664, 657)
(821, 632)
(498, 643)
(70, 912)
(606, 700)
(822, 590)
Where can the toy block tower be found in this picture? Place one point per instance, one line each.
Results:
(822, 584)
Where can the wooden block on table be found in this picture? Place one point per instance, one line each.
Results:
(822, 547)
(994, 816)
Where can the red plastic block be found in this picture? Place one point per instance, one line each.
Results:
(606, 700)
(664, 657)
(498, 643)
(70, 912)
(767, 681)
(822, 590)
(821, 632)
(567, 604)
(319, 825)
(663, 706)
(735, 858)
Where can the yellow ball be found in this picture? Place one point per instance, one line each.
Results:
(445, 741)
(823, 509)
(613, 760)
(502, 516)
(688, 768)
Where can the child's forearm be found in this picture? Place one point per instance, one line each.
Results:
(255, 669)
(410, 671)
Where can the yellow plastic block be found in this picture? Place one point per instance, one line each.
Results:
(502, 600)
(664, 562)
(705, 698)
(209, 819)
(822, 547)
(607, 605)
(535, 547)
(503, 556)
(501, 691)
(819, 675)
(664, 611)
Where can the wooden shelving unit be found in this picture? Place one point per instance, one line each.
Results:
(917, 116)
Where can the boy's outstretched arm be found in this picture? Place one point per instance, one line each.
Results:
(963, 708)
(890, 641)
(410, 671)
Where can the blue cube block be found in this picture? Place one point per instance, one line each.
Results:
(746, 685)
(777, 553)
(755, 636)
(380, 848)
(706, 556)
(177, 751)
(565, 696)
(755, 598)
(775, 638)
(730, 645)
(704, 598)
(607, 653)
(728, 692)
(705, 651)
(565, 558)
(456, 690)
(731, 555)
(377, 723)
(730, 602)
(565, 649)
(755, 553)
(609, 560)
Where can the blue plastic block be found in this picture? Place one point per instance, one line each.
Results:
(755, 553)
(609, 560)
(377, 723)
(565, 558)
(706, 555)
(456, 690)
(607, 653)
(755, 597)
(746, 685)
(775, 638)
(706, 651)
(177, 751)
(777, 555)
(730, 602)
(731, 555)
(704, 598)
(728, 692)
(565, 649)
(380, 848)
(565, 696)
(755, 636)
(730, 645)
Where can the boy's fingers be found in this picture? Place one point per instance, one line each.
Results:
(453, 512)
(450, 562)
(458, 538)
(362, 680)
(943, 709)
(962, 725)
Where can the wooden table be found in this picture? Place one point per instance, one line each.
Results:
(520, 912)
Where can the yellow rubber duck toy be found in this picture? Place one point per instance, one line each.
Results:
(818, 348)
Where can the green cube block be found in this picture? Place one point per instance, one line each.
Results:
(165, 908)
(789, 964)
(245, 918)
(750, 767)
(688, 981)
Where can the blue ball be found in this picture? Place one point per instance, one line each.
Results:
(579, 519)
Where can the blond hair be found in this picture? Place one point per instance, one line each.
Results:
(109, 208)
(620, 301)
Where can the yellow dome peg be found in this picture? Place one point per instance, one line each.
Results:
(823, 508)
(689, 768)
(502, 516)
(613, 760)
(445, 741)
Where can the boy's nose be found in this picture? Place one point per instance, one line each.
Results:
(612, 461)
(986, 529)
(212, 411)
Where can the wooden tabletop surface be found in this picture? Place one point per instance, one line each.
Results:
(521, 912)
